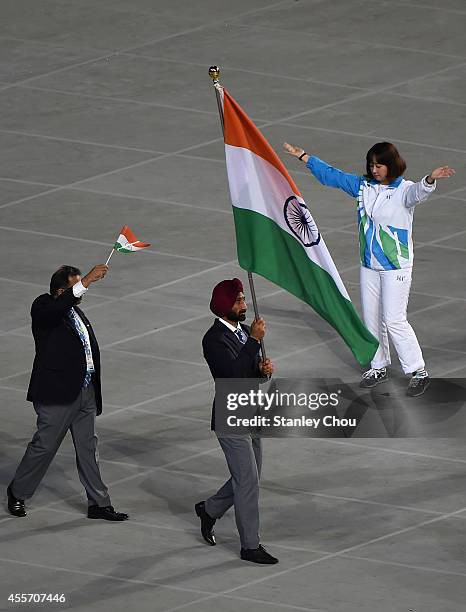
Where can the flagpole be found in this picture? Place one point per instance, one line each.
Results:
(111, 253)
(214, 73)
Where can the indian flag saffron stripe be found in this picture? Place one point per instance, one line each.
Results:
(276, 234)
(128, 243)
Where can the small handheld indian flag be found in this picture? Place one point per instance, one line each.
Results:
(127, 243)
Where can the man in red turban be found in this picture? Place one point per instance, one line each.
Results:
(231, 350)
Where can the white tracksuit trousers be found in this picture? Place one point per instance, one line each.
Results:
(384, 300)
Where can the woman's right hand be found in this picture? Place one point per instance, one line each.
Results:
(295, 151)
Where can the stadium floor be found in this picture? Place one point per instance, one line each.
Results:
(108, 117)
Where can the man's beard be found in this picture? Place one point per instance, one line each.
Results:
(232, 316)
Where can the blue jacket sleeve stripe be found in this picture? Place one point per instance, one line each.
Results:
(332, 177)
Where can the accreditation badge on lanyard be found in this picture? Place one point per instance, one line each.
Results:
(84, 336)
(89, 360)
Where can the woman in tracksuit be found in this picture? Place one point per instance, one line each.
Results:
(385, 205)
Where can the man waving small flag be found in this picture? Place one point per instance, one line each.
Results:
(127, 243)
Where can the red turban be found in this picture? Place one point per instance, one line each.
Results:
(224, 296)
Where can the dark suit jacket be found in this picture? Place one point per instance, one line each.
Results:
(227, 357)
(59, 365)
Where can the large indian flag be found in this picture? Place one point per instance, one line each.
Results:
(276, 234)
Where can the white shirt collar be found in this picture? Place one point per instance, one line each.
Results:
(229, 325)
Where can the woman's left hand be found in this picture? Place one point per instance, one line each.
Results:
(443, 172)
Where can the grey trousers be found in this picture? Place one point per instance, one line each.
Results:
(244, 459)
(52, 424)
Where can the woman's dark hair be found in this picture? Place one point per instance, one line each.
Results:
(61, 278)
(387, 154)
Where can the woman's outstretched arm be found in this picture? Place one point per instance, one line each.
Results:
(326, 174)
(417, 192)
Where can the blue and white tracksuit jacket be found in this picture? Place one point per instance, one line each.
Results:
(385, 214)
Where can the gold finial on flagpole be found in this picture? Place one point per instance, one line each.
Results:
(214, 73)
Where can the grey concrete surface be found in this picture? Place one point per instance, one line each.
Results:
(107, 117)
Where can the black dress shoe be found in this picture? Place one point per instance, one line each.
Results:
(207, 523)
(108, 513)
(258, 555)
(15, 505)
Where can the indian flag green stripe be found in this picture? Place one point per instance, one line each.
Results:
(120, 248)
(268, 250)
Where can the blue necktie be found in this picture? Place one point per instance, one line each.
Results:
(241, 335)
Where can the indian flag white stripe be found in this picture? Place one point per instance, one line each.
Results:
(255, 184)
